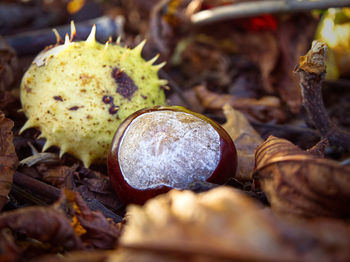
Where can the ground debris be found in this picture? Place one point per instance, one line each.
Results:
(224, 224)
(298, 182)
(8, 158)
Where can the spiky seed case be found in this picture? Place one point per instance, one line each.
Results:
(78, 93)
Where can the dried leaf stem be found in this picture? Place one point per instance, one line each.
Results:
(312, 71)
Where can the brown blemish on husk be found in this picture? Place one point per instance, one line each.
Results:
(126, 86)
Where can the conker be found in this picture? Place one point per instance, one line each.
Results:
(164, 147)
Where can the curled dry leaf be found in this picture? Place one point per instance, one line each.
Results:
(56, 176)
(68, 224)
(264, 109)
(225, 224)
(43, 157)
(300, 183)
(91, 185)
(95, 185)
(8, 158)
(246, 140)
(44, 224)
(96, 230)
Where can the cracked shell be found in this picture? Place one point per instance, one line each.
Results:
(78, 93)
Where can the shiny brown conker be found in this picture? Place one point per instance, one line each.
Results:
(164, 147)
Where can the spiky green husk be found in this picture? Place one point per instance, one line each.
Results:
(62, 95)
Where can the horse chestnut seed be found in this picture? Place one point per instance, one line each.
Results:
(164, 147)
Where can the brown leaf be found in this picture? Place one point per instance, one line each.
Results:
(56, 175)
(8, 65)
(7, 100)
(191, 98)
(95, 185)
(76, 256)
(8, 250)
(262, 49)
(292, 45)
(95, 181)
(96, 230)
(300, 183)
(44, 224)
(92, 185)
(145, 255)
(8, 158)
(67, 225)
(264, 109)
(245, 138)
(224, 224)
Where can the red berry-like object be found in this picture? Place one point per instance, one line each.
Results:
(164, 147)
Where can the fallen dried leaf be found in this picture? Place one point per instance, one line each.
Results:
(246, 140)
(6, 100)
(224, 224)
(262, 49)
(191, 98)
(8, 250)
(77, 256)
(95, 230)
(56, 176)
(300, 183)
(92, 185)
(8, 158)
(8, 65)
(292, 45)
(95, 185)
(44, 224)
(68, 224)
(265, 109)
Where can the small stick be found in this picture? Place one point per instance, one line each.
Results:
(34, 41)
(54, 193)
(312, 70)
(27, 196)
(36, 186)
(256, 8)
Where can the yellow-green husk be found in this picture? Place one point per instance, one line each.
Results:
(62, 94)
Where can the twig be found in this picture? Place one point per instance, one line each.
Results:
(345, 162)
(34, 41)
(255, 8)
(26, 196)
(36, 186)
(312, 71)
(53, 194)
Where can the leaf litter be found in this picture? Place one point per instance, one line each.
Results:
(239, 74)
